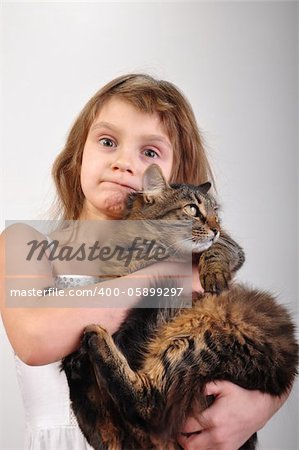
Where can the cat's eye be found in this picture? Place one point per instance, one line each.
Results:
(192, 210)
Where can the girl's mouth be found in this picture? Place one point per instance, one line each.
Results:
(122, 185)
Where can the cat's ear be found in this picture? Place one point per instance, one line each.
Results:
(205, 187)
(153, 183)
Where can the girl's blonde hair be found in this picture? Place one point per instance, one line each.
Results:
(147, 94)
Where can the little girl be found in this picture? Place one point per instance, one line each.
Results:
(130, 123)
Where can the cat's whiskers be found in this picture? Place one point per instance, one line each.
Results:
(179, 247)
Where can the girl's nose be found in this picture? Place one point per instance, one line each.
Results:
(123, 162)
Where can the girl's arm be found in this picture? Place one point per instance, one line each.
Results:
(48, 332)
(235, 415)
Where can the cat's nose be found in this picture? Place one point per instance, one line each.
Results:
(213, 223)
(215, 231)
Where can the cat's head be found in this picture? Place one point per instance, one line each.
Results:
(159, 200)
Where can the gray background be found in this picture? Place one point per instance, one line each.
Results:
(237, 62)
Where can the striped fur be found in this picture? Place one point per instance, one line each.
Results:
(134, 391)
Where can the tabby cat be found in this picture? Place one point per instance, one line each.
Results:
(134, 390)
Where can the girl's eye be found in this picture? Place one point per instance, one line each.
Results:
(151, 153)
(106, 142)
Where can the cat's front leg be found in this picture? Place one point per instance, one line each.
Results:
(131, 391)
(214, 276)
(218, 264)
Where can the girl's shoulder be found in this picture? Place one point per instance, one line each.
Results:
(19, 231)
(15, 244)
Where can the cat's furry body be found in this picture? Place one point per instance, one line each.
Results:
(135, 390)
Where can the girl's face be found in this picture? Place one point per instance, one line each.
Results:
(122, 142)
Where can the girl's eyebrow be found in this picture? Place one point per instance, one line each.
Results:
(103, 125)
(150, 137)
(157, 138)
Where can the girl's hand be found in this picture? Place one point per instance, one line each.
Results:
(188, 281)
(234, 416)
(196, 284)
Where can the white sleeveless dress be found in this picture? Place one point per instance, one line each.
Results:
(50, 421)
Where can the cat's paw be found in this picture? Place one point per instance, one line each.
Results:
(98, 343)
(94, 328)
(215, 282)
(90, 335)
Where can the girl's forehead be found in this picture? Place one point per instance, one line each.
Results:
(117, 111)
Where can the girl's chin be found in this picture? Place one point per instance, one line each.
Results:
(107, 205)
(115, 203)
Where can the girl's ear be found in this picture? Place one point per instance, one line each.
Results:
(153, 183)
(205, 187)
